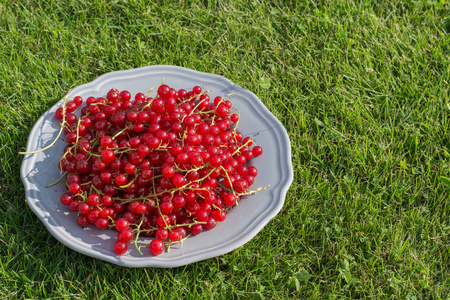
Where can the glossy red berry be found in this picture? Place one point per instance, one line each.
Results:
(124, 96)
(66, 199)
(101, 223)
(196, 229)
(74, 188)
(125, 236)
(196, 90)
(107, 155)
(120, 248)
(162, 234)
(156, 247)
(122, 224)
(174, 236)
(83, 221)
(93, 200)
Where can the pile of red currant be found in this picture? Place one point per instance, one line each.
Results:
(165, 167)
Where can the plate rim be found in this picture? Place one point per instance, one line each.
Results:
(268, 215)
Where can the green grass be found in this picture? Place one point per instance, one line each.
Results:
(362, 89)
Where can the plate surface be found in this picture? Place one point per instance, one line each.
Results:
(242, 223)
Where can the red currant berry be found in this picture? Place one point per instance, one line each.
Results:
(211, 223)
(125, 236)
(82, 221)
(124, 96)
(196, 90)
(168, 171)
(174, 236)
(156, 247)
(107, 155)
(93, 200)
(122, 224)
(102, 223)
(74, 188)
(196, 229)
(162, 234)
(66, 198)
(120, 248)
(219, 215)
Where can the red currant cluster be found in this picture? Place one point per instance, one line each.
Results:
(162, 167)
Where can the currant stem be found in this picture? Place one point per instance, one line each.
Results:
(229, 180)
(137, 236)
(54, 183)
(149, 91)
(254, 191)
(238, 149)
(128, 184)
(120, 132)
(59, 133)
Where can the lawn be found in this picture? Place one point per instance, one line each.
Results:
(362, 89)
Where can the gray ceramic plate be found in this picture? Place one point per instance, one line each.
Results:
(241, 224)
